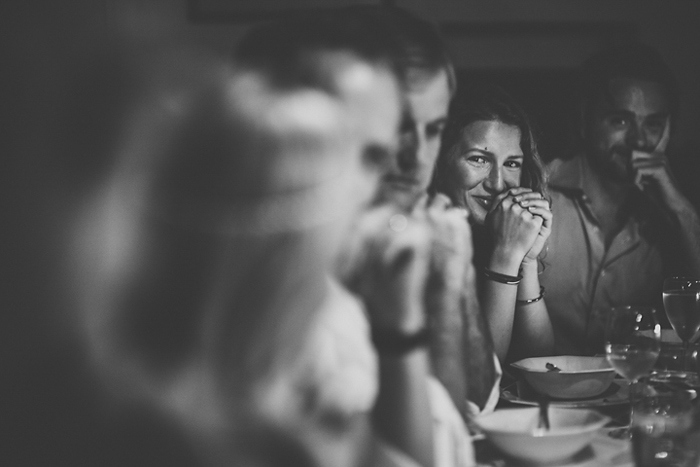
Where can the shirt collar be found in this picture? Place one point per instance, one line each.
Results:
(569, 174)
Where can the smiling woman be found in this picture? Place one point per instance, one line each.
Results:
(490, 166)
(489, 161)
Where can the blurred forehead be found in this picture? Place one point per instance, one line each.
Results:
(242, 143)
(427, 95)
(369, 92)
(306, 130)
(243, 139)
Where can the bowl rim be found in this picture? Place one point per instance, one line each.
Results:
(518, 365)
(563, 431)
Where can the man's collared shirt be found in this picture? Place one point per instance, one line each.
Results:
(583, 278)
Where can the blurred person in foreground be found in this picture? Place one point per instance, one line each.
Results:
(287, 51)
(490, 165)
(622, 222)
(390, 274)
(460, 344)
(203, 265)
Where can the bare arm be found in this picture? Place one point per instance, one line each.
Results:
(520, 229)
(461, 348)
(388, 269)
(402, 412)
(689, 231)
(532, 327)
(449, 252)
(477, 343)
(653, 176)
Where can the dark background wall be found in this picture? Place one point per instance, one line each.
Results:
(70, 68)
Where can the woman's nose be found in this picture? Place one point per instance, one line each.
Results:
(495, 182)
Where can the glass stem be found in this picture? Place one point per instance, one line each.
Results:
(685, 355)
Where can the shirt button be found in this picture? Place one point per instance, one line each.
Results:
(602, 273)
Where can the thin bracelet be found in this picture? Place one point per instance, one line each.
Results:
(502, 278)
(532, 300)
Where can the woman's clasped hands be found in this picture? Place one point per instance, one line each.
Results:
(521, 221)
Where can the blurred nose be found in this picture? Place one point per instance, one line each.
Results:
(495, 183)
(637, 138)
(409, 151)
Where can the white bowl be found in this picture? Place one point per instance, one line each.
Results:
(515, 432)
(579, 378)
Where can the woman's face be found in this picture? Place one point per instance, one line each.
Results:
(489, 161)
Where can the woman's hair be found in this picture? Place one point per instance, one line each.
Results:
(487, 103)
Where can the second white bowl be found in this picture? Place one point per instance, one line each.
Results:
(578, 377)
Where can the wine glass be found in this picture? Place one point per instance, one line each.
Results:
(632, 342)
(682, 305)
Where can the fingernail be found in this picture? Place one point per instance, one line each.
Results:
(524, 203)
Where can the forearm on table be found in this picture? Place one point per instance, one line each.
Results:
(479, 362)
(532, 327)
(498, 303)
(402, 410)
(446, 352)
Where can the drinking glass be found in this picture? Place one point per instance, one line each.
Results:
(632, 343)
(664, 431)
(632, 340)
(682, 305)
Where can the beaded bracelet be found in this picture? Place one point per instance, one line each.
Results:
(532, 300)
(502, 278)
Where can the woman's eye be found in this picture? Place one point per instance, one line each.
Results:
(513, 164)
(477, 160)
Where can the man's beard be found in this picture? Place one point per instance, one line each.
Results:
(614, 164)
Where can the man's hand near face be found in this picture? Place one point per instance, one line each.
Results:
(652, 173)
(651, 170)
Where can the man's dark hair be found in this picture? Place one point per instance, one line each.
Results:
(631, 60)
(416, 43)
